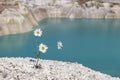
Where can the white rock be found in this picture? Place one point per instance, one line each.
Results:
(51, 70)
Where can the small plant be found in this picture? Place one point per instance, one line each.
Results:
(42, 48)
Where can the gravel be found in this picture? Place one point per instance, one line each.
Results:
(23, 69)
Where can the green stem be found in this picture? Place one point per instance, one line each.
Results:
(38, 53)
(37, 61)
(36, 43)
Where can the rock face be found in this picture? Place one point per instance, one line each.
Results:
(15, 18)
(19, 17)
(22, 69)
(85, 9)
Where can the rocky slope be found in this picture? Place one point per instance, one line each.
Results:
(22, 69)
(89, 9)
(19, 17)
(15, 18)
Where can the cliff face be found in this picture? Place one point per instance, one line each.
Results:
(18, 17)
(89, 9)
(15, 19)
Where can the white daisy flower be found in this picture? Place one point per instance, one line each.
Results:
(38, 32)
(59, 45)
(43, 48)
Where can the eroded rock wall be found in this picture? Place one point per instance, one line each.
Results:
(16, 19)
(89, 9)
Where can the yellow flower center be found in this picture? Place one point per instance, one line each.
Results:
(38, 32)
(43, 48)
(59, 45)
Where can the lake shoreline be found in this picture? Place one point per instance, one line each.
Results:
(22, 69)
(19, 17)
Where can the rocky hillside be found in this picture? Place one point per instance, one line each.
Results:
(15, 18)
(80, 9)
(19, 17)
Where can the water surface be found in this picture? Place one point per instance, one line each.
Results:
(94, 43)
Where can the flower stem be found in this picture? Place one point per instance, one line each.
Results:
(37, 61)
(37, 55)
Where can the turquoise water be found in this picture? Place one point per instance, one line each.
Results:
(94, 43)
